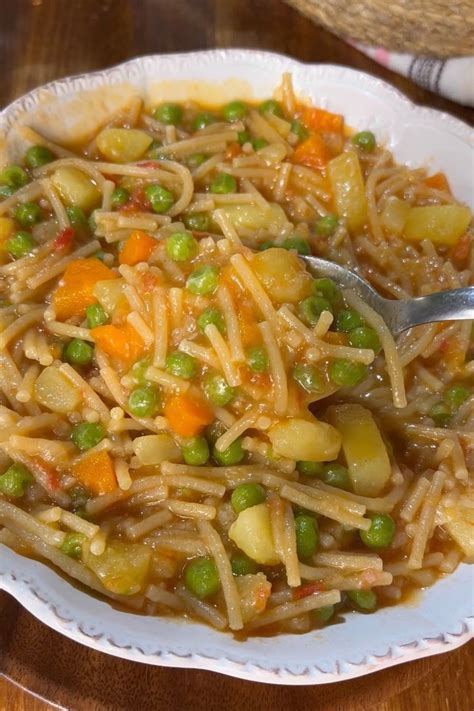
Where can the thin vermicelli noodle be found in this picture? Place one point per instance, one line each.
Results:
(191, 423)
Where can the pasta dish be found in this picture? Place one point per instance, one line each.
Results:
(193, 424)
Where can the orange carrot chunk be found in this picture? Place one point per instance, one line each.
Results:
(187, 416)
(121, 342)
(95, 472)
(75, 291)
(321, 120)
(313, 152)
(438, 181)
(138, 248)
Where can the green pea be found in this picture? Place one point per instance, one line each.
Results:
(21, 244)
(310, 309)
(365, 140)
(309, 468)
(198, 221)
(235, 111)
(323, 614)
(28, 214)
(79, 496)
(223, 183)
(230, 456)
(78, 352)
(268, 244)
(214, 431)
(455, 395)
(119, 197)
(201, 577)
(14, 176)
(270, 106)
(257, 359)
(6, 191)
(246, 495)
(440, 413)
(218, 391)
(143, 401)
(77, 218)
(170, 114)
(241, 564)
(365, 600)
(326, 288)
(181, 365)
(159, 198)
(196, 159)
(259, 143)
(72, 545)
(181, 246)
(139, 369)
(96, 316)
(213, 316)
(308, 377)
(346, 373)
(347, 320)
(36, 156)
(381, 532)
(14, 480)
(336, 475)
(307, 535)
(87, 435)
(364, 337)
(202, 120)
(299, 244)
(100, 254)
(203, 280)
(195, 451)
(300, 131)
(243, 137)
(154, 151)
(327, 225)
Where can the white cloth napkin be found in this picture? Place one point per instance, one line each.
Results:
(452, 78)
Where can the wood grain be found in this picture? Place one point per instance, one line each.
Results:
(41, 40)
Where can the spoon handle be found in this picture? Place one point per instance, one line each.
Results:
(451, 305)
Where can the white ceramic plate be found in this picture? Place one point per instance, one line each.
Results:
(442, 617)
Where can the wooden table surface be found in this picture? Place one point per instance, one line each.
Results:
(41, 40)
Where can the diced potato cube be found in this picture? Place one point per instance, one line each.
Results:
(309, 440)
(254, 591)
(54, 391)
(283, 275)
(462, 533)
(252, 533)
(108, 293)
(348, 189)
(122, 568)
(442, 224)
(364, 449)
(394, 215)
(123, 145)
(154, 449)
(7, 227)
(76, 188)
(250, 216)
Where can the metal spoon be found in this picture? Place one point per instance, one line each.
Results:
(401, 314)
